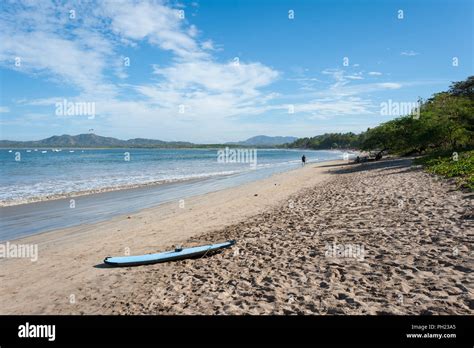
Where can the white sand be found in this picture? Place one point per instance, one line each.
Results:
(410, 233)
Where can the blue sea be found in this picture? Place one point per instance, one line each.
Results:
(111, 182)
(29, 175)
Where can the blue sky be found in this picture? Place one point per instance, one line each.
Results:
(184, 81)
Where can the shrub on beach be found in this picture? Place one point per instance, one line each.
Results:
(441, 126)
(459, 166)
(444, 122)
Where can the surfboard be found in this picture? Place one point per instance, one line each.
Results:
(177, 254)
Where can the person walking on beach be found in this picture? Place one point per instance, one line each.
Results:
(303, 160)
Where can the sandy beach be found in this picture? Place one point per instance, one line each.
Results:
(329, 238)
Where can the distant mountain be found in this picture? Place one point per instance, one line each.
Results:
(92, 140)
(263, 140)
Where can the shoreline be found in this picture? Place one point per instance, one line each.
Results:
(76, 253)
(174, 206)
(39, 197)
(401, 222)
(19, 221)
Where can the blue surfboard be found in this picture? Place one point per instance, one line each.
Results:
(177, 254)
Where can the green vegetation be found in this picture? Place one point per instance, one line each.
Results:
(442, 125)
(445, 122)
(327, 141)
(460, 167)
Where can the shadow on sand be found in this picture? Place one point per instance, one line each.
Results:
(404, 164)
(103, 265)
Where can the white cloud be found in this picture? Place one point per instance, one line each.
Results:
(84, 56)
(157, 23)
(375, 73)
(330, 107)
(4, 109)
(215, 77)
(338, 76)
(33, 34)
(208, 45)
(389, 85)
(354, 77)
(89, 57)
(341, 98)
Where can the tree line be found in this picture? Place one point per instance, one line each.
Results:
(443, 122)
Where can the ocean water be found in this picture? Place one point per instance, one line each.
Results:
(27, 175)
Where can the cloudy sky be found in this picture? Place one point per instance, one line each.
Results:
(215, 71)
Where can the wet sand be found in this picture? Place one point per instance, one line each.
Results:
(19, 221)
(332, 238)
